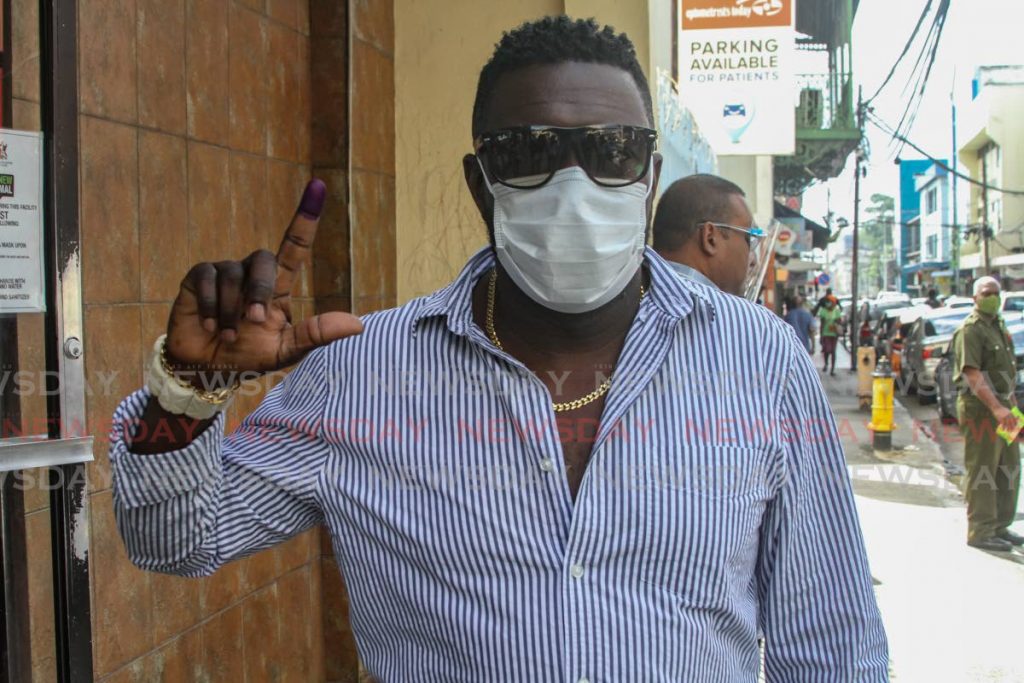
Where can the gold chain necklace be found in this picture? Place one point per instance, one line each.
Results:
(597, 393)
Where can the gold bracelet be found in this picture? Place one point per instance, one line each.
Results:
(215, 397)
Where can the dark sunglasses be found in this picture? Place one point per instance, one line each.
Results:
(527, 157)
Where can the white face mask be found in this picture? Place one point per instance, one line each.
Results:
(571, 244)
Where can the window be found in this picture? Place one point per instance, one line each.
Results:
(931, 201)
(931, 247)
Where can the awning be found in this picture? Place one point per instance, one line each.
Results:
(1009, 260)
(942, 273)
(925, 266)
(821, 233)
(970, 261)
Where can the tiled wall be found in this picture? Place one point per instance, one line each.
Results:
(195, 138)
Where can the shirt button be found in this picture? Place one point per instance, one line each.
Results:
(547, 465)
(576, 571)
(583, 680)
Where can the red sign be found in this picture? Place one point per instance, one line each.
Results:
(702, 14)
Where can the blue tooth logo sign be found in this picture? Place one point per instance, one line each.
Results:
(6, 185)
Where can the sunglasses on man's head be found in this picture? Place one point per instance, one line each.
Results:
(527, 157)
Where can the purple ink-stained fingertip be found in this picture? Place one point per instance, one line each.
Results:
(313, 199)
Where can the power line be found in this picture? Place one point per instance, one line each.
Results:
(887, 129)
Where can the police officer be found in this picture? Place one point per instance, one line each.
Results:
(986, 373)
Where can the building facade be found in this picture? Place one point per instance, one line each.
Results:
(992, 152)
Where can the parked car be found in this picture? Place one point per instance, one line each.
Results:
(958, 302)
(946, 389)
(877, 308)
(924, 342)
(892, 296)
(887, 332)
(1013, 307)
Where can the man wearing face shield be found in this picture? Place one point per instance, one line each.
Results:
(705, 230)
(985, 370)
(575, 495)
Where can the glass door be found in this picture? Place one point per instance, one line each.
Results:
(44, 621)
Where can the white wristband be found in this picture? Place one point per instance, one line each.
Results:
(173, 396)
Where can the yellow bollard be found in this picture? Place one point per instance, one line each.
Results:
(881, 425)
(865, 369)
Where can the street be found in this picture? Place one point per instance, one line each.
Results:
(952, 612)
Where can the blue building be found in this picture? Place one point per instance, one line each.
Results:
(919, 261)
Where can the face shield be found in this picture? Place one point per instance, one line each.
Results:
(760, 257)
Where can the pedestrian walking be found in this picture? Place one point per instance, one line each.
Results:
(830, 329)
(494, 535)
(801, 320)
(705, 230)
(985, 372)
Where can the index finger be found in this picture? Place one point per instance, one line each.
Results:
(298, 239)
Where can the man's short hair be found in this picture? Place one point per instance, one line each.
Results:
(556, 40)
(688, 202)
(985, 280)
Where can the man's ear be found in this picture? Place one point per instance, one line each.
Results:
(708, 239)
(477, 187)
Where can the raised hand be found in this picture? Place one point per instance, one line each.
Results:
(235, 316)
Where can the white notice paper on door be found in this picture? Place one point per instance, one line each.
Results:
(21, 222)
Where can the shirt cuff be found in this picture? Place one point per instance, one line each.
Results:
(149, 479)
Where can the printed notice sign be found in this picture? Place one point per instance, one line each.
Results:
(737, 73)
(22, 272)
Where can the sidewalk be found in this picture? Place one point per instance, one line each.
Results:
(953, 613)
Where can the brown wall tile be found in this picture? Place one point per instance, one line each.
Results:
(109, 211)
(40, 596)
(249, 229)
(25, 114)
(25, 50)
(260, 624)
(374, 275)
(302, 15)
(161, 45)
(206, 52)
(224, 648)
(329, 73)
(209, 203)
(295, 626)
(282, 82)
(331, 253)
(163, 215)
(222, 589)
(303, 114)
(113, 369)
(122, 627)
(328, 18)
(256, 5)
(175, 605)
(374, 22)
(106, 54)
(247, 81)
(341, 661)
(373, 110)
(285, 11)
(285, 183)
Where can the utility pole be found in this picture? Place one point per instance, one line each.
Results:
(955, 261)
(855, 304)
(985, 231)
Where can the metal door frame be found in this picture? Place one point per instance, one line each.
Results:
(66, 446)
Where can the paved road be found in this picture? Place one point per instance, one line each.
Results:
(952, 613)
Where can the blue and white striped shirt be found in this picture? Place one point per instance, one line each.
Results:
(715, 507)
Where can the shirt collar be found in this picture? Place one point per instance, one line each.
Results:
(689, 273)
(669, 294)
